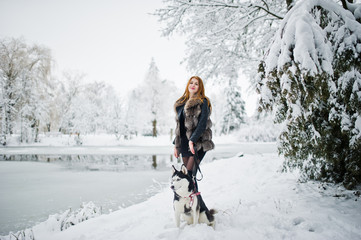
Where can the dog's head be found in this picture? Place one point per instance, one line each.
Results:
(181, 183)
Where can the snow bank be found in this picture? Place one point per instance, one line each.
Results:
(254, 201)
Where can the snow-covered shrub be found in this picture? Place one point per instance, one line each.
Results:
(26, 234)
(311, 79)
(59, 222)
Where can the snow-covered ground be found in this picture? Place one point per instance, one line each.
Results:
(254, 201)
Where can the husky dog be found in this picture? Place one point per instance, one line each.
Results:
(188, 202)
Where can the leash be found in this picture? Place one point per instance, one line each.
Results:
(196, 163)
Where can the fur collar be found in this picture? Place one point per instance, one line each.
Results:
(192, 102)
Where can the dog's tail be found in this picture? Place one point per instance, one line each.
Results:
(210, 217)
(210, 214)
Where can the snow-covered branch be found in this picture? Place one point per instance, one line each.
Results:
(222, 33)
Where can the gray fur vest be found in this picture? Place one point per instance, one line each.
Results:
(201, 136)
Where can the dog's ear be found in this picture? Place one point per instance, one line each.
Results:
(184, 170)
(173, 169)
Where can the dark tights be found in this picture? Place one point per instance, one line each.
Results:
(192, 169)
(189, 163)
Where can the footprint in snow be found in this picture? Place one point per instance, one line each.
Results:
(297, 221)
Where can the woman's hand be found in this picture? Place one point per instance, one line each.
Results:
(176, 153)
(191, 147)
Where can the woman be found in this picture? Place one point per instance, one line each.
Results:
(193, 132)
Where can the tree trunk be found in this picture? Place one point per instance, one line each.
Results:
(154, 122)
(228, 124)
(3, 127)
(37, 124)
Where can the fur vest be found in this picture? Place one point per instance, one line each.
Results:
(192, 116)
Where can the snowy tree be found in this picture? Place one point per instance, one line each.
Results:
(153, 83)
(12, 53)
(134, 114)
(25, 87)
(150, 104)
(311, 78)
(166, 120)
(116, 123)
(95, 95)
(112, 119)
(89, 107)
(142, 110)
(56, 106)
(233, 110)
(35, 93)
(224, 36)
(71, 89)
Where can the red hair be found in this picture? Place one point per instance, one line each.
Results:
(199, 95)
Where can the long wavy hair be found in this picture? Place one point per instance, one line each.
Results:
(200, 94)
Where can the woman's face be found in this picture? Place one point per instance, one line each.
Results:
(193, 86)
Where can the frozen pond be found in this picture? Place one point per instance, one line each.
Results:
(32, 190)
(36, 182)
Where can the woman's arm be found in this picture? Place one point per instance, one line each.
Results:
(202, 122)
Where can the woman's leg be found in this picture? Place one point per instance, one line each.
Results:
(192, 171)
(189, 161)
(185, 161)
(191, 165)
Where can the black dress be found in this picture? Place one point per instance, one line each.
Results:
(185, 151)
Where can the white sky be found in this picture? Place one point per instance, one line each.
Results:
(109, 40)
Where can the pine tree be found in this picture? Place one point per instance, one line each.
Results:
(233, 111)
(153, 83)
(311, 79)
